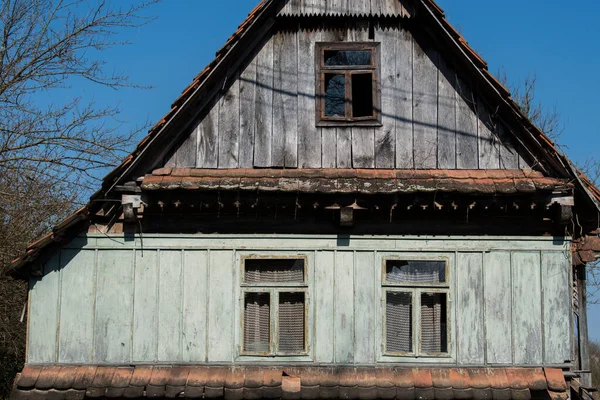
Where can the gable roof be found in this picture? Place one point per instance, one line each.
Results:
(258, 23)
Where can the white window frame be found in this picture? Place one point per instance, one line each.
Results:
(274, 289)
(416, 290)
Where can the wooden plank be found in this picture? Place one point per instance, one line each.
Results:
(404, 100)
(263, 118)
(285, 100)
(208, 132)
(344, 307)
(359, 7)
(188, 151)
(336, 7)
(220, 307)
(324, 311)
(469, 309)
(309, 136)
(43, 314)
(291, 7)
(387, 7)
(425, 80)
(466, 128)
(229, 126)
(385, 136)
(498, 307)
(509, 157)
(344, 147)
(363, 147)
(169, 305)
(365, 300)
(78, 288)
(247, 125)
(527, 306)
(313, 7)
(195, 297)
(446, 124)
(114, 307)
(489, 151)
(556, 271)
(145, 311)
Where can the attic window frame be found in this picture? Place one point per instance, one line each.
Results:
(347, 70)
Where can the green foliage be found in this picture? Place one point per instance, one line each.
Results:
(13, 297)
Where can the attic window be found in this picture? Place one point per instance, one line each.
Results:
(416, 317)
(347, 84)
(274, 297)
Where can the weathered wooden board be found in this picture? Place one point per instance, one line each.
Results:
(195, 300)
(114, 307)
(208, 138)
(285, 100)
(336, 7)
(324, 311)
(344, 147)
(404, 100)
(170, 297)
(385, 136)
(489, 150)
(446, 117)
(527, 308)
(469, 309)
(312, 7)
(509, 157)
(76, 329)
(425, 98)
(365, 301)
(556, 272)
(309, 139)
(229, 126)
(359, 7)
(145, 311)
(263, 106)
(498, 306)
(247, 125)
(221, 299)
(344, 307)
(466, 128)
(43, 314)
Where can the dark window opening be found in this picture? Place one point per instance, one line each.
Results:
(273, 270)
(399, 331)
(362, 95)
(434, 330)
(347, 58)
(291, 322)
(335, 96)
(257, 326)
(419, 272)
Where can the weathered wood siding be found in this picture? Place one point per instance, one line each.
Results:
(176, 298)
(431, 118)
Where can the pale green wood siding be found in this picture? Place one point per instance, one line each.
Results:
(176, 299)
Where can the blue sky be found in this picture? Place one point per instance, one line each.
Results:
(557, 43)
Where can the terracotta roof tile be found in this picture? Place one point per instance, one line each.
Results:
(28, 376)
(47, 377)
(253, 383)
(64, 378)
(84, 376)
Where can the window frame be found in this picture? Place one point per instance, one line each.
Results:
(416, 290)
(347, 70)
(274, 289)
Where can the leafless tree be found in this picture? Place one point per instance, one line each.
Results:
(55, 139)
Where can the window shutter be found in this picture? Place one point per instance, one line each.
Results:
(433, 323)
(291, 322)
(399, 322)
(257, 322)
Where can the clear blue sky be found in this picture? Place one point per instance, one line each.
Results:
(560, 44)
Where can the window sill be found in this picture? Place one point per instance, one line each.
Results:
(349, 124)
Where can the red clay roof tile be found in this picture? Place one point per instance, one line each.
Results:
(47, 377)
(84, 376)
(28, 376)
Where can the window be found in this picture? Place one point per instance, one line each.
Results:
(274, 299)
(416, 307)
(347, 84)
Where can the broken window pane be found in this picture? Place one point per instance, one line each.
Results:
(362, 95)
(347, 58)
(398, 327)
(291, 322)
(433, 323)
(274, 270)
(257, 322)
(403, 271)
(335, 95)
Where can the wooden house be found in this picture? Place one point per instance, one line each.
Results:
(344, 204)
